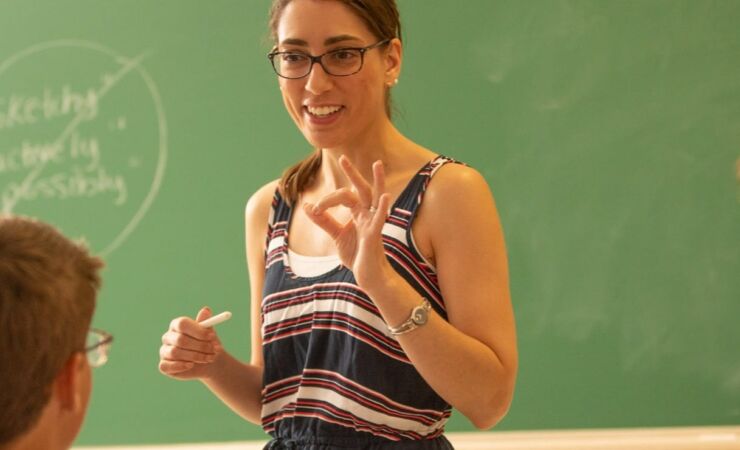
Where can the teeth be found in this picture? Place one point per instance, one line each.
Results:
(323, 110)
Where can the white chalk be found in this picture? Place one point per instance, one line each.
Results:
(215, 320)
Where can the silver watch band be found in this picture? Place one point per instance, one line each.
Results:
(419, 316)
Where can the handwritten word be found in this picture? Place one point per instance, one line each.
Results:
(78, 183)
(30, 155)
(19, 110)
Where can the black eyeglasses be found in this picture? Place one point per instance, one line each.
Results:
(341, 62)
(97, 346)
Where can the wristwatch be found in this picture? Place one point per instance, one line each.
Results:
(419, 316)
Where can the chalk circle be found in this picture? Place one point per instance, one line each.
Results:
(94, 167)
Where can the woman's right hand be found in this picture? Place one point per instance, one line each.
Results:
(189, 350)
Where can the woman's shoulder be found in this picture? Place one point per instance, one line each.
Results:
(456, 198)
(457, 192)
(258, 205)
(456, 178)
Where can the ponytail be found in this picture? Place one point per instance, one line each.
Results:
(299, 177)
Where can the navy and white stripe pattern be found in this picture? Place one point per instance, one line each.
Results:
(332, 369)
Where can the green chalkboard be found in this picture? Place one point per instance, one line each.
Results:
(609, 131)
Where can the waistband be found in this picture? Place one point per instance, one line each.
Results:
(344, 443)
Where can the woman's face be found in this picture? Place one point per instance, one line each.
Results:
(334, 111)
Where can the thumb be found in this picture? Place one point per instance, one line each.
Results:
(204, 313)
(324, 220)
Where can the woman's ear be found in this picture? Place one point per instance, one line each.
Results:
(393, 59)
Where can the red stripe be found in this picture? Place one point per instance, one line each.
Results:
(270, 425)
(305, 326)
(364, 339)
(406, 250)
(341, 318)
(288, 323)
(279, 336)
(329, 375)
(374, 405)
(273, 305)
(356, 422)
(274, 395)
(424, 283)
(321, 287)
(279, 384)
(398, 221)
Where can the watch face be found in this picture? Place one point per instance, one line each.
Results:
(419, 315)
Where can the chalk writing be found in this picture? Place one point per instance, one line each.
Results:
(67, 140)
(30, 155)
(17, 109)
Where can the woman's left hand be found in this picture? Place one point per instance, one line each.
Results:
(359, 241)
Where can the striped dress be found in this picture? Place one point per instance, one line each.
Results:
(334, 376)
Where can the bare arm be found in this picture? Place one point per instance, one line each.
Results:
(190, 351)
(470, 361)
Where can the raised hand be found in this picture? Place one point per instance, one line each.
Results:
(359, 241)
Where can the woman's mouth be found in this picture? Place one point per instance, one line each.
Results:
(322, 111)
(323, 114)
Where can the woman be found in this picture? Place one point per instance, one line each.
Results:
(402, 308)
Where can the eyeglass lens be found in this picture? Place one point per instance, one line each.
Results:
(97, 345)
(340, 62)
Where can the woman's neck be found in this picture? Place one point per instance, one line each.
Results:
(386, 144)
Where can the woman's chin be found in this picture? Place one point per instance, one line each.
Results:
(322, 140)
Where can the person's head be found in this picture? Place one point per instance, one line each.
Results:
(48, 289)
(331, 110)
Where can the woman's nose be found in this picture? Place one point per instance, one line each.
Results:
(318, 81)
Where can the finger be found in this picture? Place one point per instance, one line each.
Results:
(381, 214)
(173, 367)
(343, 197)
(361, 185)
(188, 326)
(180, 340)
(204, 313)
(178, 354)
(378, 182)
(324, 220)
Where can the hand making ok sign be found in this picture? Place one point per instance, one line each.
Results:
(359, 241)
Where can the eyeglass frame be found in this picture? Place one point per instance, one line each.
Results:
(106, 340)
(317, 59)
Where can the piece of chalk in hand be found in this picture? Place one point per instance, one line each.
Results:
(215, 320)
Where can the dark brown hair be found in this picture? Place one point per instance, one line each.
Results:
(48, 286)
(383, 20)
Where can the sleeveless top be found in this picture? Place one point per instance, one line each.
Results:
(334, 375)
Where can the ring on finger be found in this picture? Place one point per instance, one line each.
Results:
(372, 209)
